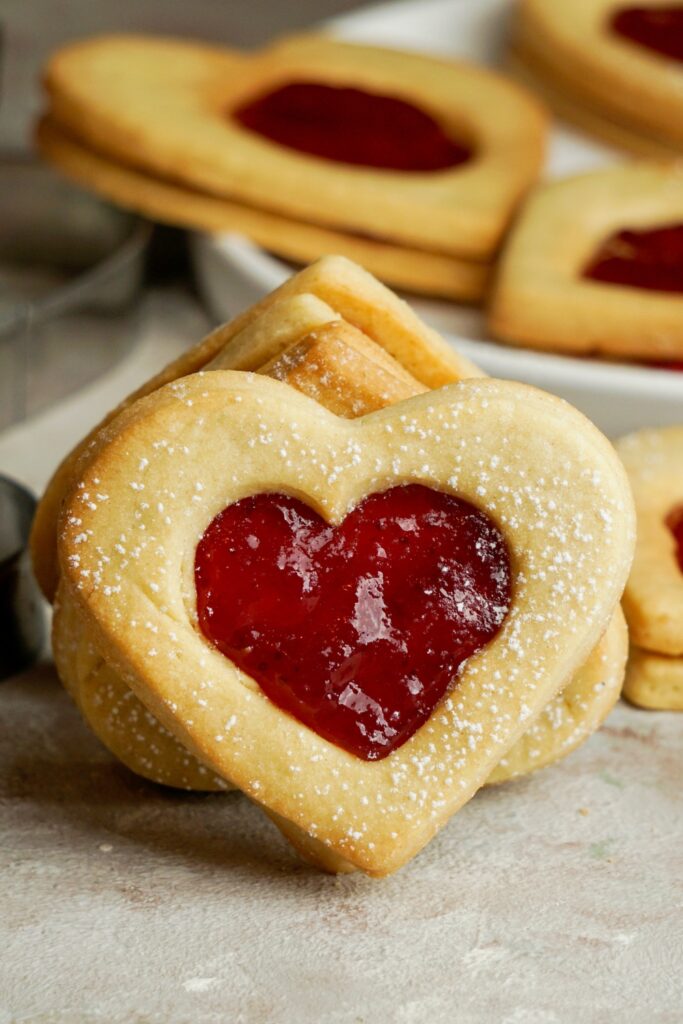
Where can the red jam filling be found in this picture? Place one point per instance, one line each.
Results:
(359, 630)
(656, 28)
(352, 126)
(651, 259)
(674, 521)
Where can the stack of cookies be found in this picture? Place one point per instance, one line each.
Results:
(270, 576)
(613, 69)
(653, 601)
(411, 165)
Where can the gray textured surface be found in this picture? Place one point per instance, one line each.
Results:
(557, 899)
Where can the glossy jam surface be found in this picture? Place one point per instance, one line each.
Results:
(656, 28)
(351, 126)
(674, 521)
(357, 630)
(651, 259)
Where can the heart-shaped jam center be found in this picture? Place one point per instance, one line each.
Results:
(674, 521)
(352, 126)
(656, 28)
(651, 259)
(357, 630)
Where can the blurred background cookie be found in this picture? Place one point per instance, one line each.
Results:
(408, 152)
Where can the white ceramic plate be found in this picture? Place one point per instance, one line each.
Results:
(232, 272)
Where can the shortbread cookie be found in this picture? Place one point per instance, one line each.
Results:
(554, 497)
(349, 375)
(653, 599)
(594, 265)
(654, 681)
(424, 272)
(605, 66)
(420, 152)
(349, 293)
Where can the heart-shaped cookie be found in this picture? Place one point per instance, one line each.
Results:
(530, 463)
(340, 367)
(193, 115)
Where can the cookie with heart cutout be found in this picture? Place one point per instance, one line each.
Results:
(420, 152)
(332, 289)
(537, 486)
(428, 273)
(621, 61)
(594, 265)
(349, 375)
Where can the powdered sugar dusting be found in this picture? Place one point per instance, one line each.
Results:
(559, 502)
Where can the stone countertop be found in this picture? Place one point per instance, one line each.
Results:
(555, 899)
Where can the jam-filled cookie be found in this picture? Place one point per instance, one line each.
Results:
(431, 273)
(594, 265)
(350, 375)
(517, 516)
(613, 67)
(653, 599)
(408, 149)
